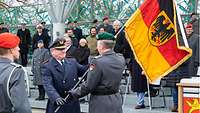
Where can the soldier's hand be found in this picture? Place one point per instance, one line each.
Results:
(73, 94)
(60, 101)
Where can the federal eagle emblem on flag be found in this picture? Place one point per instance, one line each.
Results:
(161, 30)
(153, 34)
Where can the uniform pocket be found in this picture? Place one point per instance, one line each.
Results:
(2, 98)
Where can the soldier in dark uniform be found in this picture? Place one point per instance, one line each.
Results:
(60, 74)
(103, 79)
(13, 95)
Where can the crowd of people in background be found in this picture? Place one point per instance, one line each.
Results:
(83, 48)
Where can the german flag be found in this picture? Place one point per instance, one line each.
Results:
(152, 34)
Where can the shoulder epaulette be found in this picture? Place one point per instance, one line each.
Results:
(99, 56)
(15, 65)
(69, 57)
(119, 54)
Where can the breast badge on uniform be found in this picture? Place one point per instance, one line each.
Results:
(92, 67)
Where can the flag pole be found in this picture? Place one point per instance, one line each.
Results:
(126, 91)
(75, 86)
(181, 24)
(119, 31)
(149, 96)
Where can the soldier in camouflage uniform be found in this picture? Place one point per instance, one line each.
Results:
(103, 79)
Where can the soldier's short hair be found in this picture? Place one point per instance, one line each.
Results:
(4, 51)
(109, 44)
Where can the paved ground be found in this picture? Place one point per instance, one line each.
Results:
(130, 102)
(38, 111)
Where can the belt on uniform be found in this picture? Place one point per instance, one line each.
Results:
(104, 92)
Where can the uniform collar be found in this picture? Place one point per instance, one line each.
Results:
(5, 60)
(56, 62)
(108, 53)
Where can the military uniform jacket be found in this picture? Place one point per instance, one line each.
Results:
(14, 99)
(103, 81)
(58, 80)
(193, 62)
(40, 56)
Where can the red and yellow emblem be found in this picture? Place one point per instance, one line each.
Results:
(161, 30)
(191, 105)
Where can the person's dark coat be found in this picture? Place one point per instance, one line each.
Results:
(40, 56)
(108, 28)
(74, 41)
(3, 30)
(78, 33)
(44, 37)
(58, 80)
(25, 40)
(138, 81)
(82, 54)
(193, 62)
(71, 51)
(45, 30)
(122, 46)
(196, 26)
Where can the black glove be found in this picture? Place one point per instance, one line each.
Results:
(73, 94)
(60, 101)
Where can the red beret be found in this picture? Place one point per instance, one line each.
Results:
(105, 18)
(189, 26)
(8, 40)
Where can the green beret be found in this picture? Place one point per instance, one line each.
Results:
(105, 36)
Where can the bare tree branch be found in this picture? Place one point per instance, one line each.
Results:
(4, 5)
(22, 1)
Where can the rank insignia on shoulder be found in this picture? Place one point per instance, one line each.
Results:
(16, 65)
(97, 56)
(92, 67)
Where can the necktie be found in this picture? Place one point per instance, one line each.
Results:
(62, 62)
